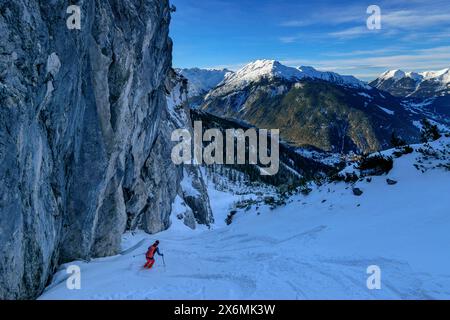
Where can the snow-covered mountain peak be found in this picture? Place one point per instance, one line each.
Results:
(405, 84)
(202, 80)
(393, 74)
(399, 74)
(271, 69)
(264, 68)
(442, 76)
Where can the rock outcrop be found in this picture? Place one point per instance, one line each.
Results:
(165, 179)
(83, 133)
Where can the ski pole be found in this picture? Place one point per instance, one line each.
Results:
(138, 254)
(164, 262)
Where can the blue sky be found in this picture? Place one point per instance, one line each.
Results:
(328, 35)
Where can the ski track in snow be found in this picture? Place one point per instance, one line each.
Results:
(308, 249)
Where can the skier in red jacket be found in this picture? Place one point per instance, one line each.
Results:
(150, 255)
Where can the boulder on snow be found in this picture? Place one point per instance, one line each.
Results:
(391, 182)
(357, 192)
(193, 192)
(189, 219)
(184, 213)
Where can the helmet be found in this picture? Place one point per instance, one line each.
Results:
(157, 242)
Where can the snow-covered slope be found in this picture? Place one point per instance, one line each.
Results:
(317, 246)
(200, 81)
(270, 69)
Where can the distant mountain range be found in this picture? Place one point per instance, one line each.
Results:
(320, 109)
(426, 93)
(411, 84)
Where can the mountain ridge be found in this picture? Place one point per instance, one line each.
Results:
(201, 81)
(425, 84)
(270, 69)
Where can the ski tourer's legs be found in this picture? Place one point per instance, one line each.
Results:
(149, 263)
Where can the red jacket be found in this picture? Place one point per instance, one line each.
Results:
(151, 252)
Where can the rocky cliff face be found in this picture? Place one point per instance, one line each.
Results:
(83, 132)
(162, 177)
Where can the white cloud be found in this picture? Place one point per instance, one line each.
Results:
(410, 19)
(420, 20)
(291, 39)
(351, 32)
